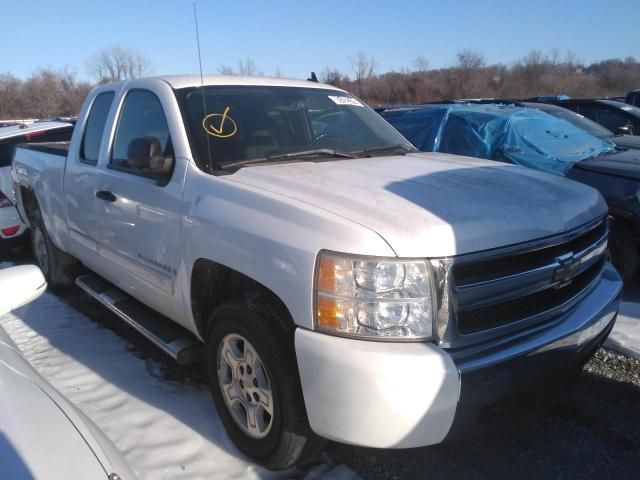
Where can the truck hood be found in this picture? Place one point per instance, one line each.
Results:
(622, 164)
(434, 205)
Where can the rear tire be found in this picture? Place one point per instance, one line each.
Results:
(59, 268)
(254, 330)
(623, 246)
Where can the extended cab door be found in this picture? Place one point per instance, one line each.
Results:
(140, 212)
(81, 174)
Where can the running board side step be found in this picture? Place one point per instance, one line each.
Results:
(174, 340)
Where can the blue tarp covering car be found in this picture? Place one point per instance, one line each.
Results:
(523, 136)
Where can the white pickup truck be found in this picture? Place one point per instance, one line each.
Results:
(337, 283)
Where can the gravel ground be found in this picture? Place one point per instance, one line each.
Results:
(590, 430)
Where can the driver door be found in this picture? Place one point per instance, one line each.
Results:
(140, 221)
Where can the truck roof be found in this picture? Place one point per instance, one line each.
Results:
(184, 81)
(17, 130)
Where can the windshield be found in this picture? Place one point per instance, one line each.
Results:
(240, 123)
(548, 143)
(578, 120)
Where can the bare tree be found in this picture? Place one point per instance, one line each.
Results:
(571, 60)
(421, 64)
(48, 93)
(118, 63)
(331, 76)
(363, 67)
(468, 62)
(10, 101)
(225, 70)
(469, 59)
(278, 73)
(248, 67)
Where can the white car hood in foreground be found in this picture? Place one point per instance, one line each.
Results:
(42, 435)
(433, 205)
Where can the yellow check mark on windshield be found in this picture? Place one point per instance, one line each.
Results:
(218, 131)
(226, 126)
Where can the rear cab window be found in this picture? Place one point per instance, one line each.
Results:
(96, 121)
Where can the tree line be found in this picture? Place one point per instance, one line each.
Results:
(48, 92)
(535, 74)
(58, 93)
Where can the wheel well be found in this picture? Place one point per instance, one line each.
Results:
(29, 202)
(213, 283)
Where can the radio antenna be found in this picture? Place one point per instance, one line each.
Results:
(204, 102)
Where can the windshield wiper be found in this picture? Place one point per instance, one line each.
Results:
(386, 148)
(327, 152)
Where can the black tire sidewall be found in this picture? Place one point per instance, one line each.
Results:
(623, 247)
(61, 267)
(38, 228)
(276, 359)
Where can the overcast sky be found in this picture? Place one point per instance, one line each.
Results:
(297, 37)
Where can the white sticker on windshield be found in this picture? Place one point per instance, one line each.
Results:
(343, 100)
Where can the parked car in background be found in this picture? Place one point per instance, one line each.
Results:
(12, 227)
(618, 117)
(42, 434)
(343, 285)
(534, 139)
(633, 98)
(617, 98)
(580, 121)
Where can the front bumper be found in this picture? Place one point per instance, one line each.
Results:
(488, 377)
(404, 395)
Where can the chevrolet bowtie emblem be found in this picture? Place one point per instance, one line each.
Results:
(569, 265)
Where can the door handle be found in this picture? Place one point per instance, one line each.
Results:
(106, 196)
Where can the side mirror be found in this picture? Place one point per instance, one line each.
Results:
(145, 154)
(19, 286)
(625, 130)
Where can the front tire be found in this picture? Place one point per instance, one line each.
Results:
(254, 382)
(58, 267)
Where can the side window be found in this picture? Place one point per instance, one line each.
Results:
(459, 138)
(612, 119)
(588, 111)
(141, 116)
(94, 129)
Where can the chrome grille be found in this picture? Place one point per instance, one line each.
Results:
(498, 292)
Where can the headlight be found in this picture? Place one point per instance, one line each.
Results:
(368, 297)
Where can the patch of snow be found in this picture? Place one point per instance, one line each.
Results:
(625, 336)
(165, 429)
